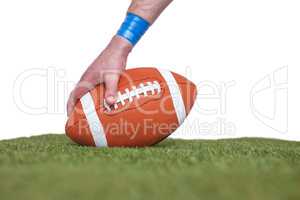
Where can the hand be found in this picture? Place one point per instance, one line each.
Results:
(105, 69)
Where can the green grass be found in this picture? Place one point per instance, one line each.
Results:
(52, 167)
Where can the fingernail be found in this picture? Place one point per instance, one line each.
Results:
(110, 99)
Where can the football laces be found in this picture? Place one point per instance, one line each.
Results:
(142, 90)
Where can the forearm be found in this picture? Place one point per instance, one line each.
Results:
(148, 9)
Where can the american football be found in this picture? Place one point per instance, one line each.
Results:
(151, 104)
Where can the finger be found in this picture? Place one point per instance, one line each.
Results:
(111, 81)
(70, 104)
(81, 89)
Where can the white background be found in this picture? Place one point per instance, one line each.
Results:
(237, 52)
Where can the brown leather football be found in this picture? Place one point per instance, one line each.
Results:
(151, 104)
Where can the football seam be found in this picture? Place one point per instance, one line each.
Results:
(77, 121)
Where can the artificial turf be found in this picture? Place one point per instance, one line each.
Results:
(52, 167)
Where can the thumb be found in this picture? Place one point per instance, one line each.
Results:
(111, 81)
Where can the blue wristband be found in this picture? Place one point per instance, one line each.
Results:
(133, 28)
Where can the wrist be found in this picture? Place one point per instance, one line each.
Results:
(133, 28)
(120, 45)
